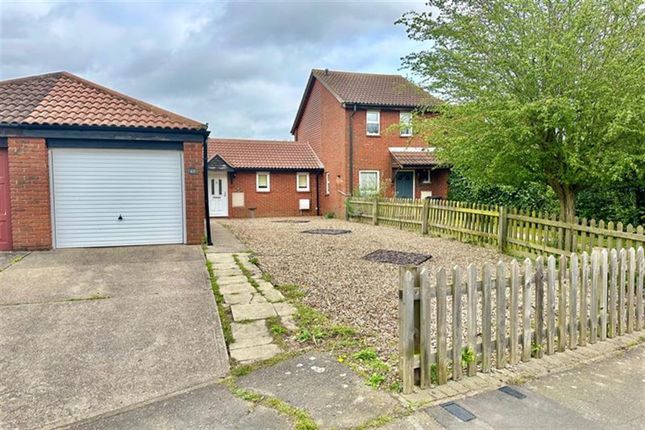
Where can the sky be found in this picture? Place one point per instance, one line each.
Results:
(240, 66)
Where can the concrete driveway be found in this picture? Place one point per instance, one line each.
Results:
(87, 331)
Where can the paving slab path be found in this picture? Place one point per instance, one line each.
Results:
(251, 299)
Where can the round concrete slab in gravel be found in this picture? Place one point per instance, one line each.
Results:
(332, 394)
(210, 407)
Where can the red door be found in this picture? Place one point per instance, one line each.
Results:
(5, 203)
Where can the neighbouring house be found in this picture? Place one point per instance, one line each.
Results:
(249, 178)
(82, 165)
(359, 126)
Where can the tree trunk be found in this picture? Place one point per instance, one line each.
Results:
(567, 204)
(567, 198)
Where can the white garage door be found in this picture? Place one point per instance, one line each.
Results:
(114, 197)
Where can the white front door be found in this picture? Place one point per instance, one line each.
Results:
(218, 193)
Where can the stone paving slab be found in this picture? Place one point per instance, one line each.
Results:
(237, 288)
(273, 295)
(333, 394)
(255, 353)
(249, 330)
(284, 309)
(238, 299)
(252, 312)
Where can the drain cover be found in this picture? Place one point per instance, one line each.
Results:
(396, 257)
(330, 231)
(460, 412)
(512, 392)
(293, 221)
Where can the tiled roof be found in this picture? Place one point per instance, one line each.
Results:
(264, 154)
(65, 99)
(411, 157)
(367, 89)
(374, 89)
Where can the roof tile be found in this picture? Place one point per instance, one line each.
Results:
(65, 99)
(264, 154)
(374, 89)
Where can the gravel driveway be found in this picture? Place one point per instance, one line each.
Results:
(336, 278)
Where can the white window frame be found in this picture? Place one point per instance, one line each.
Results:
(257, 182)
(378, 180)
(327, 184)
(408, 124)
(378, 122)
(298, 189)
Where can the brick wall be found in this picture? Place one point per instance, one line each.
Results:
(281, 200)
(29, 185)
(327, 135)
(324, 125)
(194, 191)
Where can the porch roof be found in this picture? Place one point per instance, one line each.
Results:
(413, 157)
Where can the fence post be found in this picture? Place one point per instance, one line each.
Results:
(375, 211)
(425, 212)
(501, 229)
(407, 281)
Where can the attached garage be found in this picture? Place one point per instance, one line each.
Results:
(108, 197)
(90, 167)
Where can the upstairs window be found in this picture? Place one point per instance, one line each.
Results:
(368, 182)
(405, 121)
(373, 123)
(302, 181)
(262, 182)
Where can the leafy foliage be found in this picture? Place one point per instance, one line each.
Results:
(538, 91)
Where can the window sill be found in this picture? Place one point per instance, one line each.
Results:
(302, 191)
(373, 135)
(405, 135)
(263, 191)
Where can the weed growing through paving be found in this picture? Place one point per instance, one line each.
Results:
(224, 313)
(302, 420)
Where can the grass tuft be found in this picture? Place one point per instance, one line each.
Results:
(225, 314)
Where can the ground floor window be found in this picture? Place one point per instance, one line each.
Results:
(302, 181)
(327, 183)
(368, 182)
(262, 182)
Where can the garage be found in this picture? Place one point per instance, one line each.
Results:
(82, 165)
(109, 197)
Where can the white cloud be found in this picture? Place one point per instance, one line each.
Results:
(240, 66)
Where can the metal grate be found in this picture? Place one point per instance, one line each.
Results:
(329, 231)
(458, 411)
(512, 392)
(396, 257)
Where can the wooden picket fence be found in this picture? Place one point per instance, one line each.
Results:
(468, 320)
(517, 232)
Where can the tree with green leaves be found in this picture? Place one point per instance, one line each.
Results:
(536, 90)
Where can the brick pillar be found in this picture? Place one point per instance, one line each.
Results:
(29, 184)
(194, 192)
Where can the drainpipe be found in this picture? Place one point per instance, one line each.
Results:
(209, 240)
(351, 152)
(318, 193)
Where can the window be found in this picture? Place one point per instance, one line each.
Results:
(327, 184)
(405, 121)
(368, 182)
(262, 182)
(373, 123)
(425, 176)
(302, 181)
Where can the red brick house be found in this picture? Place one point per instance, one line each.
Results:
(355, 122)
(82, 165)
(249, 178)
